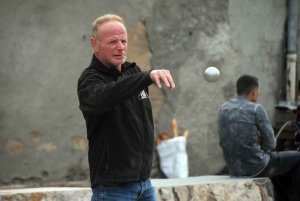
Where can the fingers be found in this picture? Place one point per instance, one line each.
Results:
(170, 80)
(162, 76)
(155, 78)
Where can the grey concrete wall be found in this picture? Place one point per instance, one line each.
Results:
(186, 38)
(257, 32)
(45, 47)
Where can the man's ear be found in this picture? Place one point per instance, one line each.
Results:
(253, 92)
(94, 44)
(254, 95)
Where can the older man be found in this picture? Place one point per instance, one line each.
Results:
(114, 99)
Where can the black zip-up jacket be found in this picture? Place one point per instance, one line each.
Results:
(119, 122)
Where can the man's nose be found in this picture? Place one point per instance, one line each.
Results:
(120, 45)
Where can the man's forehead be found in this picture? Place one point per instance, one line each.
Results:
(116, 37)
(113, 26)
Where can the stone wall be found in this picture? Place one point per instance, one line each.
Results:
(207, 188)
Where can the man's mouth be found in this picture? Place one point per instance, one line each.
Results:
(120, 56)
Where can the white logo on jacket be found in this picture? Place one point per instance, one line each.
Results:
(143, 95)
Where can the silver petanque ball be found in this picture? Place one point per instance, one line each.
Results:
(211, 74)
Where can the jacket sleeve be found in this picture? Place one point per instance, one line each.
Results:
(96, 96)
(265, 128)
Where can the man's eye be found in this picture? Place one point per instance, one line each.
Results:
(124, 42)
(112, 42)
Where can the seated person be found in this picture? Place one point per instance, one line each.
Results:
(247, 140)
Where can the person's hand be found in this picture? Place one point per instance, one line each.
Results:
(162, 76)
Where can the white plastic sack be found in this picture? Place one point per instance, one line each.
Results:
(173, 157)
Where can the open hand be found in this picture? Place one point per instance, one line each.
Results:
(162, 76)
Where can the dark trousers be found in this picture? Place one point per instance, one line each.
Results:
(284, 171)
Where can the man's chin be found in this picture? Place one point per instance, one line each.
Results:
(120, 63)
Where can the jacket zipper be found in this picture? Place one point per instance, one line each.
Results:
(106, 158)
(136, 116)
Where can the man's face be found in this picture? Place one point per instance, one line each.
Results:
(112, 44)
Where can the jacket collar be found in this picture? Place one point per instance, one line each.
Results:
(242, 98)
(112, 70)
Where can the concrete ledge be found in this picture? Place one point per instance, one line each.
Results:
(214, 188)
(46, 194)
(204, 188)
